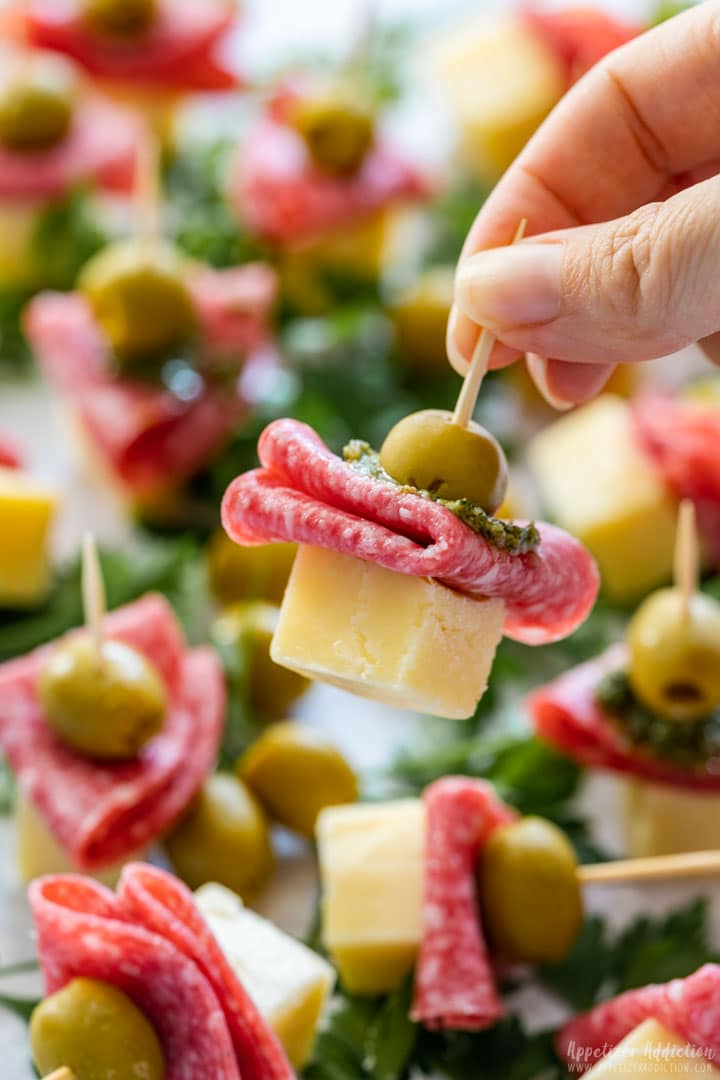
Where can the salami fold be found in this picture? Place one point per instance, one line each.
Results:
(102, 812)
(307, 494)
(688, 1007)
(454, 983)
(150, 941)
(567, 714)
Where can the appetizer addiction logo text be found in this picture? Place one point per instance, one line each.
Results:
(648, 1059)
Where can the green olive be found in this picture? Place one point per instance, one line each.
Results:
(224, 838)
(248, 573)
(37, 102)
(530, 894)
(106, 705)
(427, 450)
(96, 1031)
(247, 631)
(139, 296)
(674, 654)
(419, 315)
(295, 774)
(120, 18)
(337, 127)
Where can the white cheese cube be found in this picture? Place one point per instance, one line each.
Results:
(662, 820)
(404, 640)
(372, 865)
(652, 1050)
(598, 484)
(288, 982)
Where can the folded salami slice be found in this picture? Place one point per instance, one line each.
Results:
(180, 52)
(688, 1007)
(307, 494)
(567, 714)
(150, 941)
(102, 812)
(100, 149)
(683, 439)
(454, 983)
(580, 37)
(280, 196)
(149, 437)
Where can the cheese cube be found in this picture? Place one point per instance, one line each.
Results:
(38, 852)
(372, 865)
(19, 220)
(288, 982)
(652, 1050)
(501, 82)
(661, 819)
(27, 508)
(403, 640)
(599, 485)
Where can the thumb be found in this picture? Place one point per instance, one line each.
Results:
(631, 289)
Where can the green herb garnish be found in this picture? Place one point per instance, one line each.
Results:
(516, 539)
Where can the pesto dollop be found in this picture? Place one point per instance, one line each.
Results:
(515, 539)
(689, 744)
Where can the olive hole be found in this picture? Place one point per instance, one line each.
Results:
(683, 693)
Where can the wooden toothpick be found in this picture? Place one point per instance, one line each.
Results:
(93, 591)
(62, 1074)
(698, 864)
(467, 399)
(687, 555)
(148, 201)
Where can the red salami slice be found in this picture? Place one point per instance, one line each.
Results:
(100, 149)
(454, 982)
(566, 714)
(688, 1007)
(280, 196)
(305, 493)
(151, 942)
(683, 439)
(102, 812)
(180, 52)
(150, 438)
(10, 457)
(234, 307)
(580, 37)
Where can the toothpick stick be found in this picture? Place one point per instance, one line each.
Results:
(687, 554)
(93, 591)
(467, 400)
(148, 217)
(698, 864)
(62, 1074)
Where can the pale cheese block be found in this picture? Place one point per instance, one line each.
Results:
(27, 509)
(407, 641)
(372, 865)
(37, 851)
(653, 1050)
(661, 819)
(501, 81)
(597, 483)
(289, 983)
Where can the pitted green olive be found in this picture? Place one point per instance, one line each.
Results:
(96, 1031)
(37, 102)
(105, 705)
(139, 296)
(337, 127)
(674, 654)
(530, 894)
(120, 18)
(225, 837)
(427, 450)
(249, 573)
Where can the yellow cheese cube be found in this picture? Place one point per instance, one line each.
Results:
(288, 982)
(501, 82)
(18, 222)
(661, 819)
(372, 864)
(404, 640)
(652, 1050)
(38, 852)
(599, 485)
(26, 512)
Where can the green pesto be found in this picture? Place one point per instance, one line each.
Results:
(688, 744)
(516, 539)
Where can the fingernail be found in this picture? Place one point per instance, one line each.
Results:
(455, 356)
(537, 366)
(511, 286)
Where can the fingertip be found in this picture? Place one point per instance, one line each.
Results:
(564, 384)
(461, 339)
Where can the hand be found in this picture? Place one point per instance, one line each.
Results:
(622, 197)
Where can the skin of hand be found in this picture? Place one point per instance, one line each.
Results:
(621, 192)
